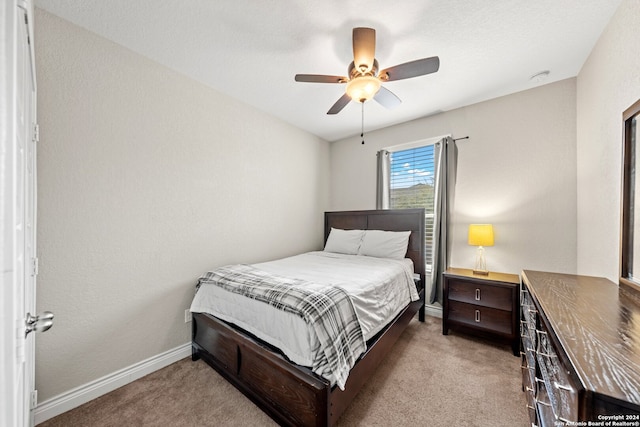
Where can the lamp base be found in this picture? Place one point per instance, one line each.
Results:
(481, 263)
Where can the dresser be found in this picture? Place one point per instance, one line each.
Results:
(580, 350)
(485, 305)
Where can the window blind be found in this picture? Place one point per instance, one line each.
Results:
(412, 186)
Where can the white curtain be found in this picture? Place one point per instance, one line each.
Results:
(445, 155)
(383, 182)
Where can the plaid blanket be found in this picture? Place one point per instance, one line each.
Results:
(327, 309)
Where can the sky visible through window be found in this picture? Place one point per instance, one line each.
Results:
(411, 185)
(411, 167)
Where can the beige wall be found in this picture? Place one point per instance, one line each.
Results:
(516, 170)
(146, 180)
(608, 84)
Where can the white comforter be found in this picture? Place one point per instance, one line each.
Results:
(379, 289)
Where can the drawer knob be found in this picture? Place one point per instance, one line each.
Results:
(477, 315)
(477, 294)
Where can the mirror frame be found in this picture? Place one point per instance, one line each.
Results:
(629, 154)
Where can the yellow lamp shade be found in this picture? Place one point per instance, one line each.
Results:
(481, 235)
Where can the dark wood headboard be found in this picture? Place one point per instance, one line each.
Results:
(387, 220)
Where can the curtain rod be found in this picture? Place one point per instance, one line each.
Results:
(458, 139)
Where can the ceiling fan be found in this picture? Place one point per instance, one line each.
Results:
(364, 81)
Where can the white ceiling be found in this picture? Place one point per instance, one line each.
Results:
(251, 49)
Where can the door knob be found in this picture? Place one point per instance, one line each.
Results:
(40, 323)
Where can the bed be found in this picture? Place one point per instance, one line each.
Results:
(292, 394)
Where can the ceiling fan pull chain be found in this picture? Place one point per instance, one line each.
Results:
(362, 124)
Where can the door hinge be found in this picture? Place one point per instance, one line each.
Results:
(36, 132)
(34, 399)
(36, 266)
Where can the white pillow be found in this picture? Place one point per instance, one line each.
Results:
(384, 244)
(344, 241)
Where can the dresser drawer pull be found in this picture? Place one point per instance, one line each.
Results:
(477, 315)
(477, 294)
(550, 356)
(562, 387)
(542, 403)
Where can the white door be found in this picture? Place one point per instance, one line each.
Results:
(18, 131)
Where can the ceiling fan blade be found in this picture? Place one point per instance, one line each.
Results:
(320, 78)
(364, 48)
(386, 98)
(416, 68)
(340, 104)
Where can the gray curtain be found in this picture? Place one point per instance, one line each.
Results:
(446, 154)
(383, 182)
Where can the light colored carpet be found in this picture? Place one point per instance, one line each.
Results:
(429, 379)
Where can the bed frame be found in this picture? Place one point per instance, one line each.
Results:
(292, 394)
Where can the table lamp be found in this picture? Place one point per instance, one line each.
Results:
(480, 235)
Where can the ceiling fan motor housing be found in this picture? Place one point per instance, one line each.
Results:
(355, 72)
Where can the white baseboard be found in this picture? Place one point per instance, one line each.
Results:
(73, 398)
(83, 394)
(433, 310)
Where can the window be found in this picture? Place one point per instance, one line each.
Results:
(412, 185)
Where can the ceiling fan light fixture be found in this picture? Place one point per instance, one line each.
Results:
(364, 81)
(363, 88)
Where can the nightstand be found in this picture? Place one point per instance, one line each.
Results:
(484, 305)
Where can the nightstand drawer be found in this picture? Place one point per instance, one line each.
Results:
(481, 294)
(491, 319)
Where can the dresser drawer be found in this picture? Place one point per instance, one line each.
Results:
(562, 392)
(478, 317)
(481, 294)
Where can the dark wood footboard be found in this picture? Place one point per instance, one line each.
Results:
(290, 394)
